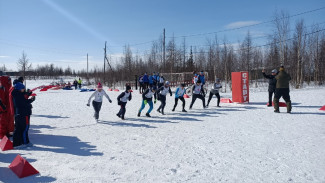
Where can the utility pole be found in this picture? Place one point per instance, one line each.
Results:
(87, 66)
(164, 50)
(105, 58)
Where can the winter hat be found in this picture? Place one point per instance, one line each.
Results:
(167, 82)
(198, 81)
(128, 87)
(183, 85)
(274, 71)
(21, 79)
(19, 86)
(281, 68)
(154, 88)
(217, 80)
(99, 86)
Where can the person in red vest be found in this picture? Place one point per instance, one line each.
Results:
(3, 121)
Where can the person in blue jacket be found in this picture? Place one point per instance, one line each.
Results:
(202, 77)
(122, 99)
(151, 80)
(179, 94)
(147, 99)
(23, 110)
(146, 80)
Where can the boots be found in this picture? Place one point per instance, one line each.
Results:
(276, 105)
(139, 113)
(148, 115)
(289, 107)
(173, 109)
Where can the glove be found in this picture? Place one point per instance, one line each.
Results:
(155, 101)
(119, 102)
(110, 101)
(145, 102)
(33, 98)
(171, 94)
(88, 105)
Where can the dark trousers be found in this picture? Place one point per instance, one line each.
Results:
(162, 99)
(270, 97)
(97, 106)
(194, 97)
(211, 95)
(79, 85)
(21, 130)
(282, 92)
(141, 89)
(122, 110)
(146, 85)
(176, 102)
(75, 86)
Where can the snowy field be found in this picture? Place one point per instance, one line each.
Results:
(234, 143)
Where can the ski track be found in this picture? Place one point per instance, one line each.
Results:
(234, 143)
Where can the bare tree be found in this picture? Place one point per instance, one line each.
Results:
(23, 64)
(281, 22)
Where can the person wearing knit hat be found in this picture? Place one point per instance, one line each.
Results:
(272, 84)
(122, 99)
(215, 91)
(97, 102)
(162, 93)
(282, 90)
(23, 110)
(147, 99)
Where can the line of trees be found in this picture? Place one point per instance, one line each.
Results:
(301, 51)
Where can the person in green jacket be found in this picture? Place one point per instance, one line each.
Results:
(282, 90)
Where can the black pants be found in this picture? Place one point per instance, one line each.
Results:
(176, 102)
(75, 86)
(97, 106)
(21, 130)
(146, 85)
(122, 110)
(211, 95)
(270, 97)
(194, 97)
(79, 85)
(282, 92)
(141, 89)
(162, 99)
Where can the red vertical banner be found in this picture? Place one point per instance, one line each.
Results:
(240, 87)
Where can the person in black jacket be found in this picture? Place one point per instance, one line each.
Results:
(23, 110)
(272, 84)
(122, 99)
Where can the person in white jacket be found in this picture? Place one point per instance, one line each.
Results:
(97, 102)
(215, 91)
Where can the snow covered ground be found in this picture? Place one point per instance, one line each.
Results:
(234, 143)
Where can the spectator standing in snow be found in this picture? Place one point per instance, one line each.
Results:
(195, 78)
(215, 91)
(201, 77)
(145, 80)
(272, 84)
(161, 81)
(79, 83)
(162, 92)
(23, 110)
(75, 83)
(282, 90)
(147, 99)
(141, 84)
(151, 80)
(179, 95)
(97, 102)
(198, 92)
(122, 99)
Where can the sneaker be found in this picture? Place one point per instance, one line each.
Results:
(148, 115)
(122, 118)
(288, 111)
(184, 110)
(218, 106)
(173, 109)
(139, 113)
(269, 105)
(162, 113)
(276, 111)
(158, 110)
(118, 115)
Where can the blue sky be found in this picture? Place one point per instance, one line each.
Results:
(64, 31)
